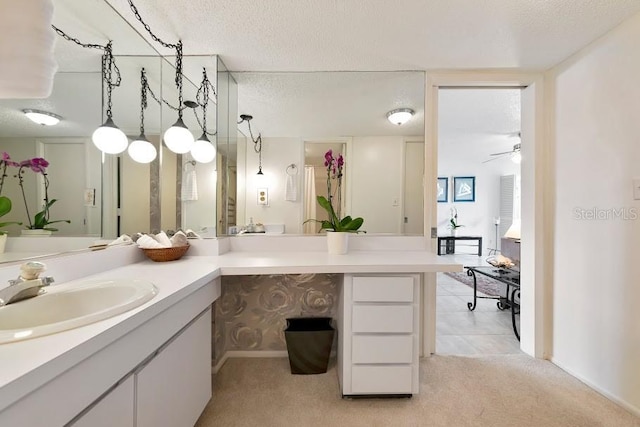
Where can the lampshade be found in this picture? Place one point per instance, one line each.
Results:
(178, 138)
(142, 151)
(109, 138)
(514, 231)
(400, 116)
(203, 151)
(516, 157)
(42, 117)
(27, 49)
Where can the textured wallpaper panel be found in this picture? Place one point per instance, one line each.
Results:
(251, 313)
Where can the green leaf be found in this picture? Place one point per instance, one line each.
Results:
(5, 205)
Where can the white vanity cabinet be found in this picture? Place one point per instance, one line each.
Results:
(378, 320)
(158, 373)
(114, 409)
(174, 386)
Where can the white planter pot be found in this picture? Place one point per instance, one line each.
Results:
(35, 233)
(3, 242)
(337, 242)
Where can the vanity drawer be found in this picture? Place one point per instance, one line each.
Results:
(382, 318)
(381, 379)
(382, 349)
(383, 289)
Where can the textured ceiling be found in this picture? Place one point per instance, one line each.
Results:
(314, 35)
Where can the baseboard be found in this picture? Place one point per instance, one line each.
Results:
(247, 354)
(617, 400)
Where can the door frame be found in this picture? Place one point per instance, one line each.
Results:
(537, 242)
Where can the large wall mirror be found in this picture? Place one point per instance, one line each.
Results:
(299, 115)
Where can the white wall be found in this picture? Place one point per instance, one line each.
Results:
(477, 217)
(376, 182)
(277, 154)
(596, 321)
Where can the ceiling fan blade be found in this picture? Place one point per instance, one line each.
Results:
(500, 154)
(488, 160)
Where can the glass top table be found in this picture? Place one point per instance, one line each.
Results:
(511, 278)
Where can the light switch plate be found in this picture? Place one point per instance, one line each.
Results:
(636, 188)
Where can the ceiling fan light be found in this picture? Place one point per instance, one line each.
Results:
(178, 138)
(109, 138)
(203, 150)
(400, 116)
(142, 151)
(42, 117)
(516, 157)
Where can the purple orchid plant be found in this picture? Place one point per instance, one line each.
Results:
(335, 167)
(41, 219)
(5, 202)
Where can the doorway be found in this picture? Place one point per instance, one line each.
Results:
(537, 238)
(478, 129)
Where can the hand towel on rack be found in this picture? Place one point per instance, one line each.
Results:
(189, 185)
(291, 190)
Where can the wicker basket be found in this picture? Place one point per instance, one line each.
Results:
(166, 254)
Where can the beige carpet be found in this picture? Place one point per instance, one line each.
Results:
(506, 390)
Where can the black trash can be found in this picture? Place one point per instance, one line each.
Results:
(309, 341)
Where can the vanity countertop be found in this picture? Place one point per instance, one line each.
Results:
(29, 364)
(241, 263)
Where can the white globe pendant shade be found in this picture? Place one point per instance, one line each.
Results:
(109, 138)
(400, 116)
(203, 150)
(142, 151)
(178, 138)
(516, 157)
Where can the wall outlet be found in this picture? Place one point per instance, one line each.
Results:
(263, 196)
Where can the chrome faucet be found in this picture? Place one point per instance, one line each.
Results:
(27, 285)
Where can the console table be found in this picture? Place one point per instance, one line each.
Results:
(450, 243)
(509, 277)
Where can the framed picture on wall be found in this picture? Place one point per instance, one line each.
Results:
(442, 190)
(464, 188)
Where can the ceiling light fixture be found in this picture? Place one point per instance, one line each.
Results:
(141, 150)
(177, 138)
(108, 137)
(42, 117)
(400, 116)
(257, 142)
(203, 150)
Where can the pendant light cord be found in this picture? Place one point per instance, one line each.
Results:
(109, 66)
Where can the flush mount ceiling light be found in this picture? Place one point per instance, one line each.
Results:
(400, 116)
(42, 117)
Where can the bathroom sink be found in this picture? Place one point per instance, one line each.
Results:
(65, 307)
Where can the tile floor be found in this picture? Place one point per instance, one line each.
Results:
(459, 331)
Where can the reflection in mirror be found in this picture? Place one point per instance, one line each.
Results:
(290, 109)
(75, 164)
(315, 183)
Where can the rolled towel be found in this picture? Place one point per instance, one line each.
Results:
(192, 234)
(148, 242)
(179, 239)
(163, 239)
(122, 240)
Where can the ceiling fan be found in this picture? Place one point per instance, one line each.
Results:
(514, 154)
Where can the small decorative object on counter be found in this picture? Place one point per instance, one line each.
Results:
(336, 226)
(160, 248)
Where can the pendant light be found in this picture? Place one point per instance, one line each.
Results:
(108, 137)
(203, 151)
(257, 142)
(141, 150)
